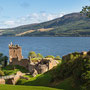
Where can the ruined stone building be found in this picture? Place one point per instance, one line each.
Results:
(15, 51)
(38, 67)
(15, 56)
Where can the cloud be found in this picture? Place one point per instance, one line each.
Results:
(9, 22)
(31, 18)
(53, 16)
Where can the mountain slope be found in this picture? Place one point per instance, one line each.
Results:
(73, 24)
(73, 73)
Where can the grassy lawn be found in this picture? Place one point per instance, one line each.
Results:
(67, 84)
(45, 80)
(39, 80)
(17, 87)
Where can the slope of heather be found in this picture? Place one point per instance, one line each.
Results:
(73, 24)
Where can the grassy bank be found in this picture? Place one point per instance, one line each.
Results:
(12, 87)
(46, 80)
(12, 69)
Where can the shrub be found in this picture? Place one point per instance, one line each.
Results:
(1, 73)
(12, 69)
(1, 54)
(57, 58)
(3, 60)
(50, 56)
(32, 54)
(39, 55)
(77, 66)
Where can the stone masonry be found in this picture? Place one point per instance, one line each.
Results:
(38, 67)
(15, 52)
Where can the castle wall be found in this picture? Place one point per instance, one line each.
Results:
(52, 63)
(23, 62)
(15, 51)
(2, 81)
(16, 58)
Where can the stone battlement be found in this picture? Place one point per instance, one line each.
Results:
(34, 67)
(13, 46)
(15, 52)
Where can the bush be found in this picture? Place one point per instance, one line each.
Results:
(32, 54)
(39, 55)
(1, 54)
(50, 56)
(12, 69)
(77, 66)
(3, 60)
(57, 58)
(1, 73)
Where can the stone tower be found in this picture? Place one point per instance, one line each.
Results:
(15, 52)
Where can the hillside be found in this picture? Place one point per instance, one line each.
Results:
(73, 24)
(72, 74)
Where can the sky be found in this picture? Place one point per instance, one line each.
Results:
(14, 13)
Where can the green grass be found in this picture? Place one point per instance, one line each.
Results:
(39, 80)
(46, 80)
(67, 84)
(10, 69)
(59, 61)
(17, 87)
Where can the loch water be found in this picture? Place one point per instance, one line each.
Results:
(46, 45)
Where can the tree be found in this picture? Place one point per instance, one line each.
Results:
(3, 60)
(78, 68)
(32, 54)
(39, 55)
(1, 73)
(58, 58)
(50, 56)
(86, 11)
(1, 54)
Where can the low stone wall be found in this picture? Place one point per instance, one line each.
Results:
(12, 79)
(16, 78)
(2, 81)
(23, 62)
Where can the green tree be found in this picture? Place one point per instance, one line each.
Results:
(1, 73)
(39, 55)
(3, 60)
(86, 11)
(32, 54)
(1, 54)
(50, 56)
(58, 58)
(77, 67)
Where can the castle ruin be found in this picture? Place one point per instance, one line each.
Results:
(15, 52)
(38, 67)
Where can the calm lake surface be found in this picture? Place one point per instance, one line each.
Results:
(46, 45)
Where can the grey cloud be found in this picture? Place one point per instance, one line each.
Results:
(31, 18)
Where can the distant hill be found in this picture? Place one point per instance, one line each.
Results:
(73, 24)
